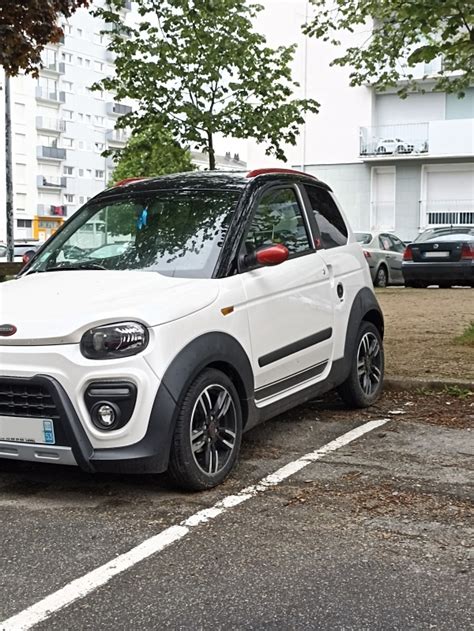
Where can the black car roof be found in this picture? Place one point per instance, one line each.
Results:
(205, 180)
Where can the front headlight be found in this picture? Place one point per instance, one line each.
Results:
(112, 341)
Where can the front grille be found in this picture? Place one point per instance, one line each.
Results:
(26, 400)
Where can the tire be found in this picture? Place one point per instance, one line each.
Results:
(381, 278)
(381, 149)
(367, 363)
(208, 433)
(401, 149)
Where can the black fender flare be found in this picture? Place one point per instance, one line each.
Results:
(364, 307)
(151, 453)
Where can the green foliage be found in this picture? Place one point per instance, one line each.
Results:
(199, 67)
(467, 337)
(404, 34)
(149, 153)
(25, 29)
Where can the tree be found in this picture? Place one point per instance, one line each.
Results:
(151, 152)
(199, 66)
(404, 34)
(25, 29)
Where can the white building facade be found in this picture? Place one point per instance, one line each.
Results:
(395, 164)
(60, 129)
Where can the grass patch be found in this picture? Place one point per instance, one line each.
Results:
(467, 337)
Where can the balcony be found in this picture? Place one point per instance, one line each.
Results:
(117, 137)
(117, 109)
(50, 153)
(436, 139)
(54, 183)
(446, 212)
(390, 140)
(50, 97)
(55, 68)
(50, 124)
(46, 210)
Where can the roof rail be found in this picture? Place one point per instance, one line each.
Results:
(256, 172)
(128, 180)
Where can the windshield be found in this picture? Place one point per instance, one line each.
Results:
(363, 237)
(176, 233)
(457, 232)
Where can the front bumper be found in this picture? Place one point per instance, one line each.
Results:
(459, 273)
(149, 455)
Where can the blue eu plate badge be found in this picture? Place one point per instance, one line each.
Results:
(48, 432)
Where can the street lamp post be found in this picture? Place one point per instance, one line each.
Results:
(9, 171)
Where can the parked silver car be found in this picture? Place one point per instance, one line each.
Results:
(384, 254)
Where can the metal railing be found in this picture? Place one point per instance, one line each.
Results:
(47, 210)
(47, 95)
(446, 212)
(119, 136)
(408, 139)
(46, 181)
(50, 124)
(51, 153)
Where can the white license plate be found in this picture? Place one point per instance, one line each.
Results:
(436, 255)
(21, 429)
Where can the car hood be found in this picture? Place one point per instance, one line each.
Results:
(58, 307)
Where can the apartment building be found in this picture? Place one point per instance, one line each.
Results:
(395, 164)
(60, 129)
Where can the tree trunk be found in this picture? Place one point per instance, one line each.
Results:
(8, 171)
(210, 151)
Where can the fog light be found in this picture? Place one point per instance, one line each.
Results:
(105, 415)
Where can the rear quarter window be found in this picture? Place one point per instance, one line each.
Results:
(331, 225)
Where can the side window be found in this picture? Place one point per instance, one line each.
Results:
(278, 219)
(330, 222)
(385, 243)
(397, 244)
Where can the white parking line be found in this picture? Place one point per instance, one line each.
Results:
(91, 581)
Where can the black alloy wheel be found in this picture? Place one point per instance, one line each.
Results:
(364, 384)
(208, 432)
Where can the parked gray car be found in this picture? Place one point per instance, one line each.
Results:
(384, 254)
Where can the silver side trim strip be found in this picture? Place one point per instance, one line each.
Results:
(37, 453)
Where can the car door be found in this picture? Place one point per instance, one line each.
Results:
(289, 306)
(391, 258)
(343, 257)
(396, 251)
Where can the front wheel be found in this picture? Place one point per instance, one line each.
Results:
(364, 383)
(208, 433)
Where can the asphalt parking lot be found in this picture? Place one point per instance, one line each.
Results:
(375, 534)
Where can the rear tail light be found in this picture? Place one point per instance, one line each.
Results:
(408, 254)
(367, 254)
(467, 251)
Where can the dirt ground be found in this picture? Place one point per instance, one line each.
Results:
(421, 325)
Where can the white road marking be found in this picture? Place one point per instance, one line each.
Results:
(91, 581)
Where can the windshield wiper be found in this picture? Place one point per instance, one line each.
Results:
(75, 268)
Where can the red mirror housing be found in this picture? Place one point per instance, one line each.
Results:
(272, 254)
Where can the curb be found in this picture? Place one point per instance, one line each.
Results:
(414, 383)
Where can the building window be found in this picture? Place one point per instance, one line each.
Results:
(67, 86)
(81, 144)
(99, 146)
(99, 174)
(68, 170)
(89, 172)
(81, 199)
(23, 223)
(99, 121)
(80, 61)
(88, 63)
(81, 172)
(68, 143)
(88, 118)
(81, 116)
(98, 65)
(67, 57)
(69, 198)
(68, 114)
(79, 32)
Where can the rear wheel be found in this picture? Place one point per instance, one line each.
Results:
(381, 279)
(364, 383)
(208, 432)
